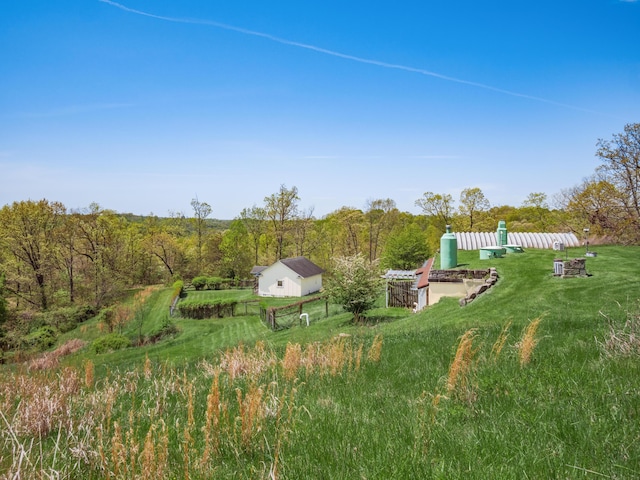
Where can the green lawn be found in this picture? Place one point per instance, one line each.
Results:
(572, 412)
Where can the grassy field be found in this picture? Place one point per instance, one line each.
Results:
(517, 384)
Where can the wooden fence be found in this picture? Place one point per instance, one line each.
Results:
(278, 318)
(401, 293)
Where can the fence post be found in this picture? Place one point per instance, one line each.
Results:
(271, 318)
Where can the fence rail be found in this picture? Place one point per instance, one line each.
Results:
(278, 318)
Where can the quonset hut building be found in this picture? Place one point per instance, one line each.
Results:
(501, 237)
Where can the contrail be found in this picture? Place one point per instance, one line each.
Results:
(345, 56)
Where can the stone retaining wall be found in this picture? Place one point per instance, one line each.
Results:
(491, 278)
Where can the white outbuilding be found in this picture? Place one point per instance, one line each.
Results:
(290, 277)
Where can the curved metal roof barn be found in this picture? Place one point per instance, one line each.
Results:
(478, 240)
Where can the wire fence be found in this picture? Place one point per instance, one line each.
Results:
(303, 312)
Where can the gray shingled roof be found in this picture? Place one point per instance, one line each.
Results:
(302, 266)
(257, 270)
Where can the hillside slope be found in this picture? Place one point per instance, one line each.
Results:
(446, 393)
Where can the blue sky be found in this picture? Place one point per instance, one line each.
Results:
(142, 105)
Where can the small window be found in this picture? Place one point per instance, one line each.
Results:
(280, 283)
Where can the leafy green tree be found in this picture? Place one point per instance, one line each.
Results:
(350, 225)
(535, 212)
(382, 216)
(3, 301)
(236, 251)
(472, 203)
(355, 284)
(28, 232)
(281, 209)
(536, 200)
(406, 249)
(212, 254)
(66, 253)
(302, 233)
(100, 243)
(254, 222)
(621, 168)
(201, 210)
(439, 206)
(595, 204)
(328, 230)
(167, 250)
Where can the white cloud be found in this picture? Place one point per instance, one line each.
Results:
(353, 58)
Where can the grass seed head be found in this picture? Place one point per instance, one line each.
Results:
(375, 351)
(528, 342)
(459, 372)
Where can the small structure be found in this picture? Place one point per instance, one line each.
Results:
(289, 277)
(576, 267)
(492, 251)
(256, 271)
(401, 289)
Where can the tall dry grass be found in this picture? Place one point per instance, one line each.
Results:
(500, 342)
(528, 342)
(459, 379)
(156, 421)
(375, 351)
(50, 360)
(623, 336)
(460, 384)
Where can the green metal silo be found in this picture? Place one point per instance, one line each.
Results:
(448, 250)
(501, 233)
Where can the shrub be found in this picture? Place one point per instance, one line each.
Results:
(167, 329)
(110, 343)
(214, 283)
(178, 289)
(200, 310)
(84, 313)
(41, 339)
(355, 284)
(67, 318)
(199, 283)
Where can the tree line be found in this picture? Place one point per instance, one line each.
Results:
(52, 257)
